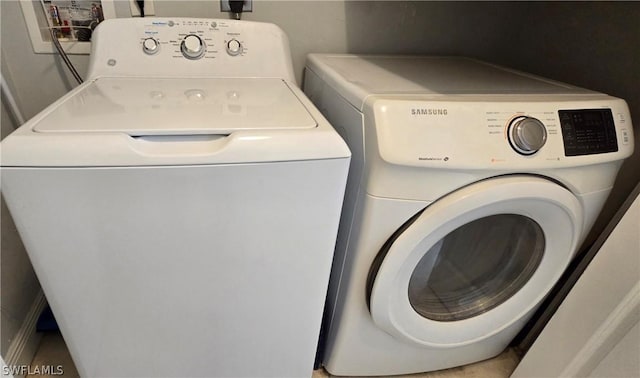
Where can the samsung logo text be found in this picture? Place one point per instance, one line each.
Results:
(428, 112)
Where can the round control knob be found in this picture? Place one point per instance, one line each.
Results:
(192, 47)
(150, 46)
(234, 47)
(527, 135)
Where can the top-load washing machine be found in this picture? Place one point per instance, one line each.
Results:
(471, 186)
(180, 207)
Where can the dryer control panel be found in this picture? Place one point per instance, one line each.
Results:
(588, 131)
(476, 133)
(189, 47)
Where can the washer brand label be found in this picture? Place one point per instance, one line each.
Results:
(428, 112)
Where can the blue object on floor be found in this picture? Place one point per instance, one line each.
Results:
(46, 321)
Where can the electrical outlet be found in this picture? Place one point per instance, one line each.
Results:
(149, 10)
(246, 7)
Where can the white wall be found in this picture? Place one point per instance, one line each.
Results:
(623, 360)
(592, 44)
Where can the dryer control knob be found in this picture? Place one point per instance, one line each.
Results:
(527, 135)
(192, 47)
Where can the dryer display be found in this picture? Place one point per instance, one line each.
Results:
(588, 131)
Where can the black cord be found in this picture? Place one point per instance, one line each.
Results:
(236, 8)
(63, 55)
(141, 7)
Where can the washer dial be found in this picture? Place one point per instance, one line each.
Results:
(150, 46)
(234, 47)
(527, 135)
(192, 47)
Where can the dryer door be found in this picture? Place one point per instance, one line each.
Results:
(475, 261)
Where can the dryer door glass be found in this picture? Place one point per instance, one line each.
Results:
(476, 267)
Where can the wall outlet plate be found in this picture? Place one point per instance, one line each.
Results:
(247, 7)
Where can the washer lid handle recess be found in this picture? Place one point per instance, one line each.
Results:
(556, 210)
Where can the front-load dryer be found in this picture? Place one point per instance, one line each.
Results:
(471, 186)
(180, 207)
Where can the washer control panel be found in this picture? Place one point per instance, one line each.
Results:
(164, 47)
(193, 39)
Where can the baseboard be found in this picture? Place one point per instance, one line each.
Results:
(25, 343)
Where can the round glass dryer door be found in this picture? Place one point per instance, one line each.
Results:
(475, 261)
(476, 267)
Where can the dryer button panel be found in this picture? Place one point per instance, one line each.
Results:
(588, 131)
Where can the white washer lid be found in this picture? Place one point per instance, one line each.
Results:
(178, 106)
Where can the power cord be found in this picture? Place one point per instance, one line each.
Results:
(63, 55)
(141, 7)
(236, 8)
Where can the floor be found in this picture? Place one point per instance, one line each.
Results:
(498, 367)
(53, 352)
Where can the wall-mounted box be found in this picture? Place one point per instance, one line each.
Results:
(75, 18)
